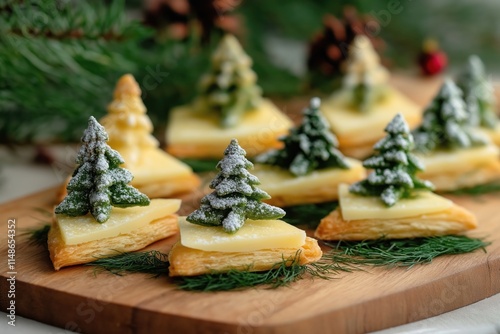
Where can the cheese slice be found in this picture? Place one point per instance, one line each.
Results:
(188, 127)
(353, 127)
(277, 181)
(76, 230)
(254, 235)
(493, 134)
(154, 165)
(356, 207)
(459, 160)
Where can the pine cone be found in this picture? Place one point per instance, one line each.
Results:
(173, 16)
(329, 48)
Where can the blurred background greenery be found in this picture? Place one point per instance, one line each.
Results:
(59, 60)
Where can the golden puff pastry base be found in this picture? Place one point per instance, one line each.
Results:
(450, 180)
(450, 221)
(186, 261)
(63, 255)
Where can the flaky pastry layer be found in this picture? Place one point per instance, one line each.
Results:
(464, 179)
(186, 261)
(63, 255)
(451, 221)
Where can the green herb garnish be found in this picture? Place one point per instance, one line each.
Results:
(150, 262)
(403, 252)
(285, 272)
(308, 215)
(480, 189)
(201, 165)
(39, 235)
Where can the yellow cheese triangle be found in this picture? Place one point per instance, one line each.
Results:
(277, 181)
(459, 159)
(76, 230)
(356, 207)
(254, 235)
(191, 133)
(154, 165)
(353, 127)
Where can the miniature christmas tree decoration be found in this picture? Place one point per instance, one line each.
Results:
(156, 173)
(359, 111)
(392, 202)
(444, 123)
(309, 168)
(234, 230)
(98, 182)
(480, 98)
(100, 186)
(235, 197)
(230, 88)
(455, 155)
(364, 76)
(394, 166)
(229, 105)
(309, 147)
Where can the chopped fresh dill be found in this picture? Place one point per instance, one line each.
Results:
(308, 215)
(149, 262)
(481, 189)
(38, 235)
(201, 165)
(283, 273)
(403, 252)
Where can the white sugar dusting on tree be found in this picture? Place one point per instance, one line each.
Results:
(310, 146)
(394, 166)
(445, 122)
(235, 197)
(98, 183)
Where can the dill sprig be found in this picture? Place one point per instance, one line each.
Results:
(38, 235)
(402, 252)
(283, 274)
(149, 262)
(308, 215)
(201, 165)
(481, 189)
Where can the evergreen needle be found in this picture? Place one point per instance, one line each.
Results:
(478, 190)
(403, 252)
(308, 214)
(150, 262)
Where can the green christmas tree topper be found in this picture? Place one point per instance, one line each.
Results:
(445, 123)
(309, 147)
(478, 94)
(235, 197)
(98, 183)
(230, 88)
(394, 167)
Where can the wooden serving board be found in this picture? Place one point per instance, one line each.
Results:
(77, 299)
